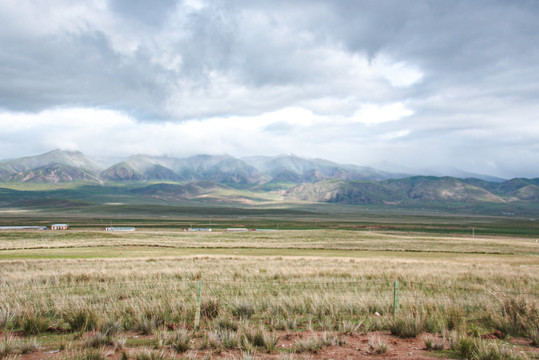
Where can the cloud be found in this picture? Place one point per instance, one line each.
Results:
(372, 81)
(376, 114)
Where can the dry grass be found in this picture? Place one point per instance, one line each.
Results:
(248, 297)
(294, 239)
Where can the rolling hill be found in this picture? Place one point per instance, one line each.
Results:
(418, 189)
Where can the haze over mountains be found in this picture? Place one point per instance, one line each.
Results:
(292, 178)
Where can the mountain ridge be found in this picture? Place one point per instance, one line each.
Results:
(289, 178)
(219, 168)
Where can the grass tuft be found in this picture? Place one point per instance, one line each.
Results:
(180, 340)
(98, 340)
(433, 343)
(210, 308)
(88, 354)
(242, 309)
(492, 351)
(82, 319)
(378, 345)
(408, 326)
(152, 355)
(28, 346)
(6, 317)
(310, 344)
(8, 346)
(350, 327)
(34, 324)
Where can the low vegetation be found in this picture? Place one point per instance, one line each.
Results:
(288, 294)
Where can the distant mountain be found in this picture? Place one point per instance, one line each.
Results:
(294, 169)
(54, 167)
(53, 174)
(419, 189)
(288, 176)
(5, 169)
(233, 171)
(222, 169)
(74, 159)
(139, 168)
(521, 189)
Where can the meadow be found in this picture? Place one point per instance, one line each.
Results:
(319, 293)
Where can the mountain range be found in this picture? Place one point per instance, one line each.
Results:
(60, 166)
(288, 178)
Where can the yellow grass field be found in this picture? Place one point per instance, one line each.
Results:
(66, 288)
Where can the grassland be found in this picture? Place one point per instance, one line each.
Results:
(317, 293)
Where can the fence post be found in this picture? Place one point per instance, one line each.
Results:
(199, 295)
(396, 299)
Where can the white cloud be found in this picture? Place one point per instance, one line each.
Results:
(397, 73)
(372, 114)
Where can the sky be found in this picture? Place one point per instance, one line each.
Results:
(425, 86)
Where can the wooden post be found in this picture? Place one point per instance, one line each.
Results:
(396, 299)
(199, 295)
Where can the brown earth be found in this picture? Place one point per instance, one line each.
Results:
(355, 347)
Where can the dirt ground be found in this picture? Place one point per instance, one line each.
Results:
(355, 347)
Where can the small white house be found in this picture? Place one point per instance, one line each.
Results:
(110, 228)
(59, 227)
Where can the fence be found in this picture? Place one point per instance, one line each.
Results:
(195, 291)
